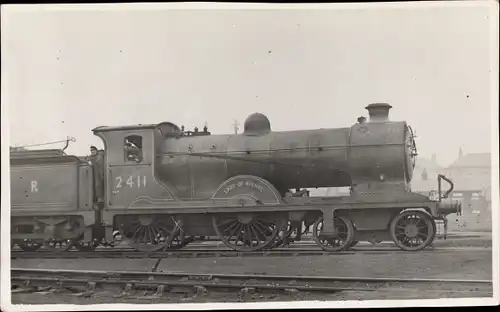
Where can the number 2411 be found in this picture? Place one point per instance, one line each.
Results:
(132, 181)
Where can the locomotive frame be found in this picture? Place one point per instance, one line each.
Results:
(246, 212)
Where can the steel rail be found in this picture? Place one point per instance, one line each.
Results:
(219, 253)
(149, 284)
(297, 247)
(304, 278)
(139, 280)
(17, 273)
(36, 280)
(303, 245)
(202, 248)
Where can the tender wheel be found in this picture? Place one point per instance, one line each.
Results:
(342, 239)
(413, 230)
(248, 231)
(148, 233)
(58, 245)
(28, 245)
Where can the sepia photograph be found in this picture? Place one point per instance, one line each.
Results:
(249, 156)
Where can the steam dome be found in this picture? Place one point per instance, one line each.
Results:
(257, 124)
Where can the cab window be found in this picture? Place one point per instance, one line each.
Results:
(133, 148)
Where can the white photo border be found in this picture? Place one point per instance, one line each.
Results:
(494, 97)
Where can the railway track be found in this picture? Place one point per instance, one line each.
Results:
(217, 251)
(214, 248)
(88, 283)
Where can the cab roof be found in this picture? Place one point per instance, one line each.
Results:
(165, 127)
(124, 128)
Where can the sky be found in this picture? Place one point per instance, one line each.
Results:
(66, 70)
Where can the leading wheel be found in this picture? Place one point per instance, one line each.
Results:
(342, 238)
(413, 230)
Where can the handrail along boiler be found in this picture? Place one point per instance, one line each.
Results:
(166, 187)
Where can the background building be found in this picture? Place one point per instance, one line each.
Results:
(471, 176)
(425, 175)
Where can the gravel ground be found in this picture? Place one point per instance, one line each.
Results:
(459, 264)
(475, 264)
(455, 264)
(470, 222)
(86, 264)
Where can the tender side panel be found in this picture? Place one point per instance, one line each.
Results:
(51, 186)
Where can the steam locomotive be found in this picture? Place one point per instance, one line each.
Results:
(165, 187)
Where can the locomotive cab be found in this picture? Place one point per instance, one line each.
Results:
(130, 163)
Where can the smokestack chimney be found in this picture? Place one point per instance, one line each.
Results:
(379, 112)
